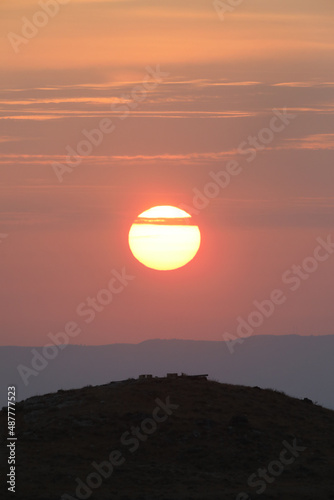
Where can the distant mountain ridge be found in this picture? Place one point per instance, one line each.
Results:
(300, 366)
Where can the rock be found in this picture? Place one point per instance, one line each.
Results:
(308, 401)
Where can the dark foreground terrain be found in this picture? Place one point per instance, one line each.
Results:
(171, 439)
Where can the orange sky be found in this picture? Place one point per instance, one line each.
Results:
(220, 82)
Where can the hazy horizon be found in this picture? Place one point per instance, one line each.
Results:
(163, 339)
(254, 361)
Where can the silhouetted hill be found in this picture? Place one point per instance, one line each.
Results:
(198, 440)
(300, 366)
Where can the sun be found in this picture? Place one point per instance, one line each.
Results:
(163, 238)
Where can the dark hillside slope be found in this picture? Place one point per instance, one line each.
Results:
(207, 444)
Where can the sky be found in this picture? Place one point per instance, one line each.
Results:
(108, 108)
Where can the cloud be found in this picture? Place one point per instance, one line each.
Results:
(7, 138)
(314, 142)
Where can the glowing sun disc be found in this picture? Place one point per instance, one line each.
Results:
(163, 238)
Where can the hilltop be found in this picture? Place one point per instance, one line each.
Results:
(299, 366)
(172, 439)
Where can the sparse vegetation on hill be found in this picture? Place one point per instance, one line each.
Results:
(172, 439)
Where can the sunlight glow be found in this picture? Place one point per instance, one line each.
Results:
(162, 238)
